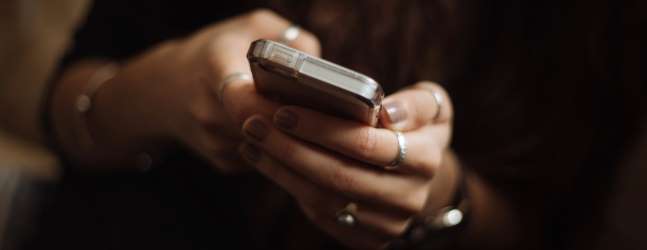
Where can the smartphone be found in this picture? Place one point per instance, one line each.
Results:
(296, 78)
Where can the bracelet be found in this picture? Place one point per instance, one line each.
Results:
(438, 231)
(85, 102)
(82, 106)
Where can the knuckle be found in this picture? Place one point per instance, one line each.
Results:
(260, 16)
(240, 111)
(310, 43)
(218, 50)
(366, 143)
(213, 53)
(291, 153)
(212, 56)
(204, 118)
(428, 85)
(342, 181)
(413, 203)
(430, 164)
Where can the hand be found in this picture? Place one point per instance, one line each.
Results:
(325, 162)
(171, 90)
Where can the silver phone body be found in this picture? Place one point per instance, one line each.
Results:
(297, 78)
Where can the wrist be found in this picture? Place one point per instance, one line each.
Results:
(83, 117)
(137, 106)
(446, 214)
(444, 185)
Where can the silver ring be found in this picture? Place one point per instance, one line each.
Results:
(234, 77)
(402, 151)
(346, 216)
(290, 34)
(438, 98)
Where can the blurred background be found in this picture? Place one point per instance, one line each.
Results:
(33, 37)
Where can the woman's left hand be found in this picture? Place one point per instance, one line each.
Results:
(326, 162)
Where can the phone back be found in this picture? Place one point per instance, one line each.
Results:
(296, 78)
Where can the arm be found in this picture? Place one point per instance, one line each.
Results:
(167, 95)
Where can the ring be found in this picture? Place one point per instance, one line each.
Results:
(238, 76)
(438, 99)
(439, 102)
(290, 34)
(402, 151)
(346, 216)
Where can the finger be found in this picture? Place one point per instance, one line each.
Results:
(228, 57)
(414, 107)
(267, 24)
(228, 52)
(383, 222)
(241, 100)
(347, 236)
(217, 149)
(376, 146)
(337, 173)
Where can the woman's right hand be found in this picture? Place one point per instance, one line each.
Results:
(171, 90)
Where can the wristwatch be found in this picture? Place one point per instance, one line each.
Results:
(440, 230)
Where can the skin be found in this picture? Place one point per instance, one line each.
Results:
(324, 162)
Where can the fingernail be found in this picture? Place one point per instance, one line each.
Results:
(250, 152)
(285, 119)
(395, 111)
(256, 129)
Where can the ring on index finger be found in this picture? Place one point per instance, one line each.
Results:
(229, 79)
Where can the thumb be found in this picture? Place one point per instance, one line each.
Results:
(415, 107)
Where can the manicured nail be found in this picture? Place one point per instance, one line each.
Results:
(256, 129)
(285, 119)
(395, 112)
(250, 152)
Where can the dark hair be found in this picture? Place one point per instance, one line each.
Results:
(546, 93)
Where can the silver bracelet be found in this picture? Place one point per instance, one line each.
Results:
(85, 102)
